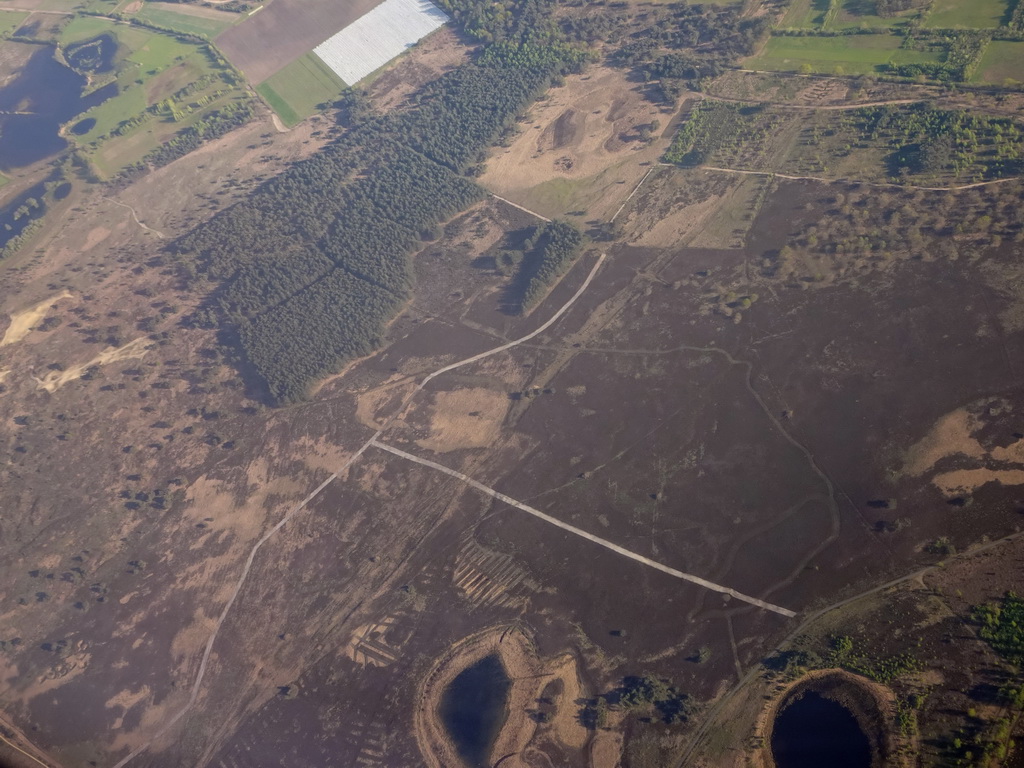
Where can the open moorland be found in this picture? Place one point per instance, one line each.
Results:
(662, 385)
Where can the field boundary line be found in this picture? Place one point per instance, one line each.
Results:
(208, 649)
(29, 755)
(584, 534)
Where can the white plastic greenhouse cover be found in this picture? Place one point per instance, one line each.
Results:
(372, 40)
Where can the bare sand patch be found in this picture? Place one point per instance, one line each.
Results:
(375, 405)
(1013, 453)
(97, 234)
(465, 418)
(606, 749)
(565, 725)
(950, 436)
(584, 147)
(23, 321)
(57, 379)
(966, 481)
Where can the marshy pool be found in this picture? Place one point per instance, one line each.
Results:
(42, 96)
(473, 708)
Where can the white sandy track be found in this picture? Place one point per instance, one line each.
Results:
(891, 185)
(583, 534)
(521, 208)
(197, 685)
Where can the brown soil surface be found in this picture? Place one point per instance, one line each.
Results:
(579, 149)
(283, 30)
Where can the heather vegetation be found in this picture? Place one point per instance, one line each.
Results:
(866, 229)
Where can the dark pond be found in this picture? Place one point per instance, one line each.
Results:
(46, 94)
(82, 127)
(815, 731)
(473, 708)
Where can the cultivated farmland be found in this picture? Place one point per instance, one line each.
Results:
(852, 55)
(296, 91)
(973, 14)
(283, 31)
(1002, 62)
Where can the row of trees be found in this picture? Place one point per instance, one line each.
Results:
(316, 262)
(549, 253)
(961, 53)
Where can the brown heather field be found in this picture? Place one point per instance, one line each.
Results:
(799, 435)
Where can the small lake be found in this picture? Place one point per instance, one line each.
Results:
(473, 708)
(815, 731)
(47, 94)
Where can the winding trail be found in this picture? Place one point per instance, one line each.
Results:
(584, 534)
(244, 575)
(135, 216)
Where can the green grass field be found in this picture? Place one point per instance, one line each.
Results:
(150, 68)
(1003, 61)
(186, 23)
(851, 55)
(295, 91)
(805, 14)
(10, 21)
(854, 14)
(966, 14)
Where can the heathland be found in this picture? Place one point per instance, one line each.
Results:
(608, 343)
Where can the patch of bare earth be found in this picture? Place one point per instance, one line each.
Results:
(583, 148)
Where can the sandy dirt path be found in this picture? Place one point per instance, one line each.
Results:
(135, 216)
(584, 534)
(244, 575)
(521, 208)
(890, 185)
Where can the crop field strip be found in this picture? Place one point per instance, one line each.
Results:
(373, 40)
(284, 30)
(297, 90)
